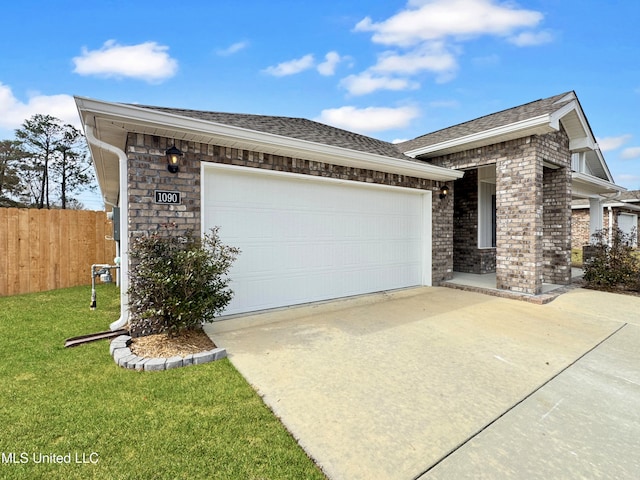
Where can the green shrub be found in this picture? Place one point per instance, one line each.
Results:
(177, 281)
(612, 266)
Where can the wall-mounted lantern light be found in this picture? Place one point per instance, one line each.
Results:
(444, 191)
(173, 159)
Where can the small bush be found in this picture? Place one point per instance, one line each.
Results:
(178, 281)
(615, 266)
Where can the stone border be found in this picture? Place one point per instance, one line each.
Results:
(122, 355)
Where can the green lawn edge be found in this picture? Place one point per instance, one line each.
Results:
(81, 416)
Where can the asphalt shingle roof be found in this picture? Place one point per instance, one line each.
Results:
(488, 122)
(299, 128)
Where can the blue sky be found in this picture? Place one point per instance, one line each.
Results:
(393, 70)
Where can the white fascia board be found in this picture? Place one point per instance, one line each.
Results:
(603, 186)
(342, 156)
(530, 123)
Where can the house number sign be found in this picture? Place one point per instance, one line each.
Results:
(167, 197)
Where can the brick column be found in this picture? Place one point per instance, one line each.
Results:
(442, 236)
(519, 228)
(557, 225)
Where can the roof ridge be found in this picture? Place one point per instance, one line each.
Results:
(559, 97)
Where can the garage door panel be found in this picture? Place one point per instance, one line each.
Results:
(309, 240)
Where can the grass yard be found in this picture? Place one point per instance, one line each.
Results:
(202, 421)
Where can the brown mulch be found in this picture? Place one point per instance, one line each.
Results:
(163, 346)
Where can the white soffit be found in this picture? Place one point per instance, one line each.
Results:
(588, 185)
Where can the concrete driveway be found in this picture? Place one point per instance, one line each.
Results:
(439, 383)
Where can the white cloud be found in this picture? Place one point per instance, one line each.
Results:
(231, 49)
(530, 39)
(370, 119)
(328, 67)
(146, 61)
(613, 143)
(366, 82)
(15, 112)
(630, 153)
(487, 60)
(291, 67)
(444, 104)
(431, 56)
(426, 20)
(427, 34)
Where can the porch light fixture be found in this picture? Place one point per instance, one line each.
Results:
(444, 191)
(173, 159)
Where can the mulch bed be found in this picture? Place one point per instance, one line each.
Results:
(163, 346)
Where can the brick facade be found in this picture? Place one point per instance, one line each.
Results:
(580, 229)
(580, 224)
(148, 172)
(533, 211)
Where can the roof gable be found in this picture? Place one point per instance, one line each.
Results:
(489, 122)
(533, 118)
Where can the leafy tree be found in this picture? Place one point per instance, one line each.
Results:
(55, 160)
(11, 188)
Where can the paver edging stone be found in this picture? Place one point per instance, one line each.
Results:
(125, 358)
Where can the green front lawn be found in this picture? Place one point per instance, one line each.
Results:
(202, 421)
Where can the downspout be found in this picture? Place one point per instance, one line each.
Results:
(124, 230)
(117, 259)
(609, 238)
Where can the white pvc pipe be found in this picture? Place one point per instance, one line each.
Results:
(124, 230)
(610, 239)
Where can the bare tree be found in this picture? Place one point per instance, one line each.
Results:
(56, 160)
(72, 166)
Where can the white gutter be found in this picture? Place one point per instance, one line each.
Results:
(535, 122)
(124, 230)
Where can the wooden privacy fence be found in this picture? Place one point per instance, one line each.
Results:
(49, 249)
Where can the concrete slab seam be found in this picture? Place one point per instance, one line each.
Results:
(526, 397)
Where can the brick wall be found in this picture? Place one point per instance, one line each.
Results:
(580, 230)
(148, 172)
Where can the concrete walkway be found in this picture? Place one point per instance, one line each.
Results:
(439, 383)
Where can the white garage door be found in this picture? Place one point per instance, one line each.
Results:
(628, 224)
(305, 239)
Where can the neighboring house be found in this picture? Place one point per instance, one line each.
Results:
(322, 213)
(622, 211)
